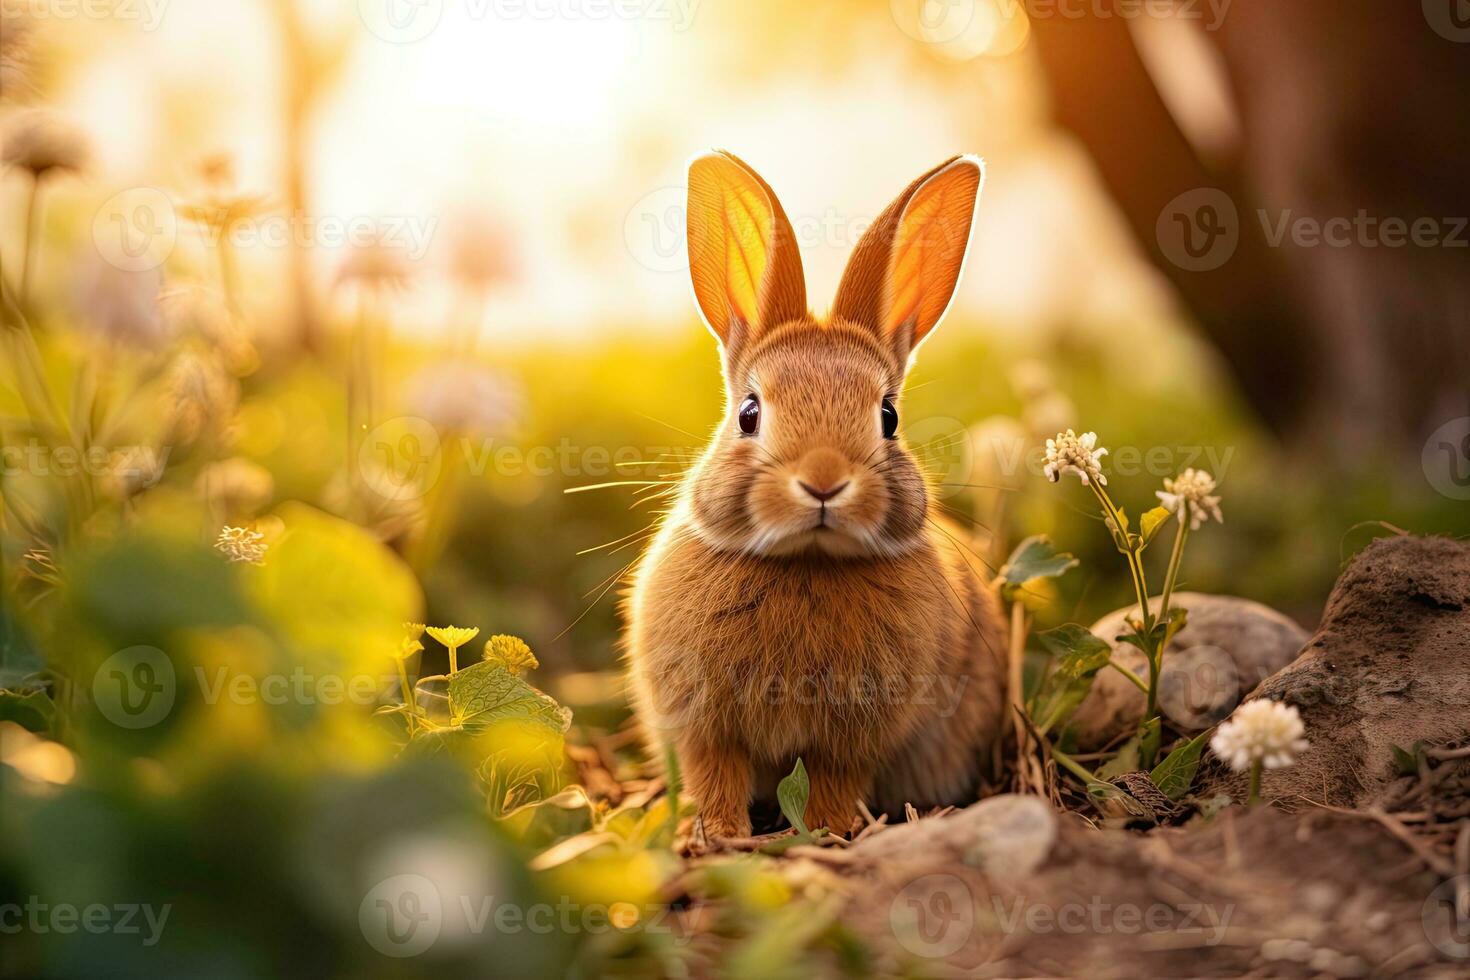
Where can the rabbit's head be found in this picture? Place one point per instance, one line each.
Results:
(810, 454)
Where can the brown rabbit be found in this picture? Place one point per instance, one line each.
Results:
(802, 598)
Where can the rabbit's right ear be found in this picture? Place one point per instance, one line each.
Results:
(743, 258)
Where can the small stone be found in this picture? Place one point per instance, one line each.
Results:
(1007, 837)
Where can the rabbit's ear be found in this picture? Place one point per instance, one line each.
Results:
(903, 273)
(743, 257)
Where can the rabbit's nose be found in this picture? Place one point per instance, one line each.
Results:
(824, 495)
(822, 474)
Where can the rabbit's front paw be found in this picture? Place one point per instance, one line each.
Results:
(835, 793)
(719, 778)
(726, 826)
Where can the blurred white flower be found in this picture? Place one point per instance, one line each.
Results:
(236, 486)
(122, 305)
(241, 544)
(1263, 731)
(199, 395)
(999, 451)
(375, 265)
(1031, 378)
(458, 397)
(133, 469)
(1191, 490)
(1071, 453)
(482, 252)
(1048, 412)
(42, 144)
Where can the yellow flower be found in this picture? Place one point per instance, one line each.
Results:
(411, 644)
(512, 652)
(454, 637)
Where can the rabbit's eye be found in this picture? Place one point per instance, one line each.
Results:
(750, 415)
(890, 419)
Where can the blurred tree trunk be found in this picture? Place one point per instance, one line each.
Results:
(1345, 108)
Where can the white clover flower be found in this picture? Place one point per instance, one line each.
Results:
(241, 544)
(459, 397)
(1193, 490)
(1263, 731)
(1071, 453)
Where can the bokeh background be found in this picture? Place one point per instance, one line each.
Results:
(417, 266)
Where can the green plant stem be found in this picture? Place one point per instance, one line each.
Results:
(1135, 561)
(1072, 765)
(453, 661)
(1130, 675)
(1172, 575)
(1154, 652)
(1255, 791)
(410, 702)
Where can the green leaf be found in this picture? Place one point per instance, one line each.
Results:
(488, 692)
(1149, 734)
(1036, 557)
(19, 661)
(1407, 760)
(1175, 774)
(1126, 760)
(792, 793)
(1119, 530)
(31, 710)
(1152, 522)
(1078, 651)
(1079, 656)
(339, 594)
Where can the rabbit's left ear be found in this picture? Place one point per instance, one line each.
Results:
(744, 261)
(904, 271)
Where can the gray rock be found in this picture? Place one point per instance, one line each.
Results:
(1387, 667)
(1229, 646)
(1007, 837)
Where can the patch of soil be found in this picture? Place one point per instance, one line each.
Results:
(1389, 666)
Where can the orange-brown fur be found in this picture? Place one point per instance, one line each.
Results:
(856, 634)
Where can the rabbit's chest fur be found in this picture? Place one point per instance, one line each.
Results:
(794, 656)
